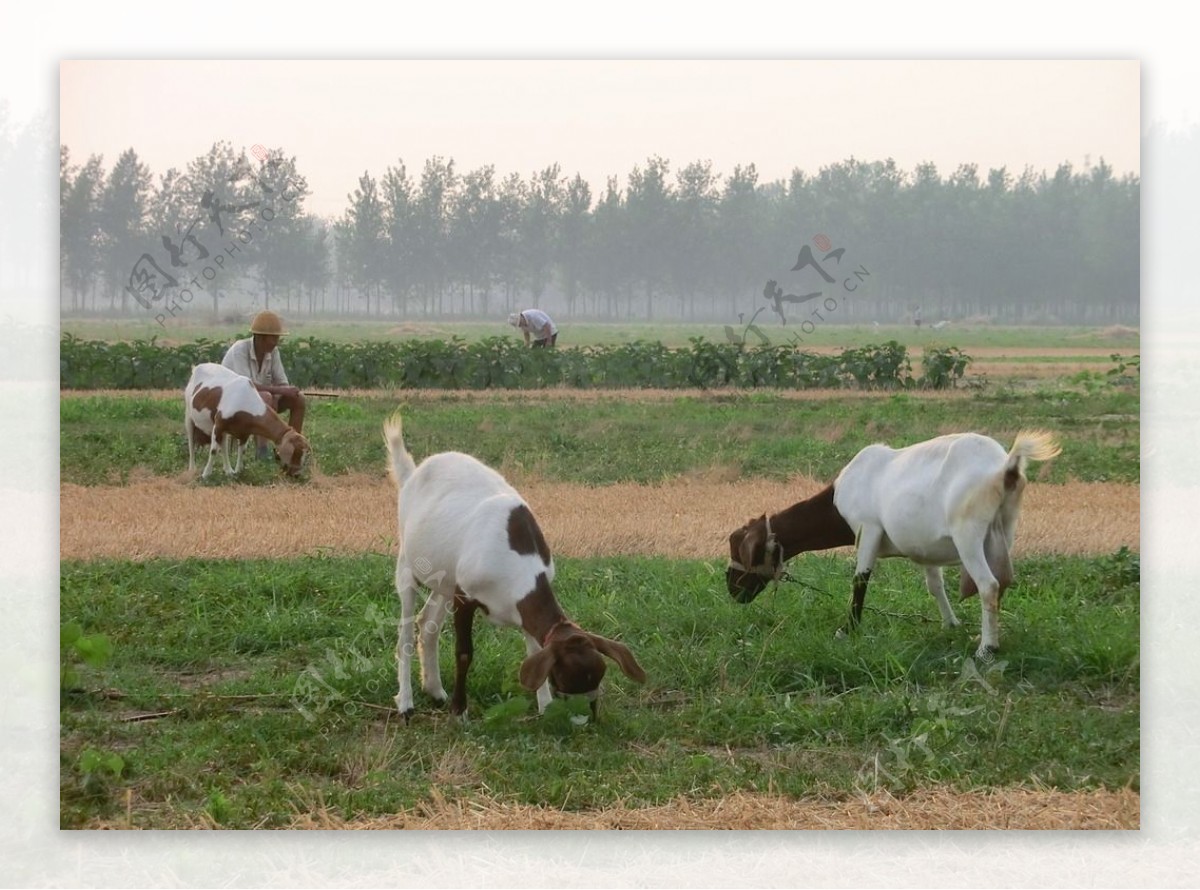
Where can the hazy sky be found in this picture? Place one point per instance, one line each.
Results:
(600, 118)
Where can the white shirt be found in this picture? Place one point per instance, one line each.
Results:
(240, 358)
(535, 321)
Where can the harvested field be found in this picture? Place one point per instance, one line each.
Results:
(687, 518)
(925, 809)
(937, 809)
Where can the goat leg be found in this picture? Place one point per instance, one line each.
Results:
(859, 595)
(464, 651)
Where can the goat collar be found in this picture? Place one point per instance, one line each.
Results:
(767, 570)
(565, 622)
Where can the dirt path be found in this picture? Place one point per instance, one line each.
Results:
(686, 518)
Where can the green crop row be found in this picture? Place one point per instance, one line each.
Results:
(504, 363)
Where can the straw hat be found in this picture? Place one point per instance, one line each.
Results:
(267, 322)
(515, 319)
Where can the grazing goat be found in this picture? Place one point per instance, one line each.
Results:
(470, 539)
(220, 405)
(953, 500)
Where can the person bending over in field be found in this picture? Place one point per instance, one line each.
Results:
(536, 325)
(257, 357)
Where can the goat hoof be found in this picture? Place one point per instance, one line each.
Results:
(840, 634)
(987, 653)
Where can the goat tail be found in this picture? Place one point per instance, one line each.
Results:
(401, 465)
(1029, 445)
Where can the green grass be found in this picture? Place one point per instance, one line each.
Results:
(103, 438)
(753, 697)
(587, 333)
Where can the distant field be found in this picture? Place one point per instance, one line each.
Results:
(585, 333)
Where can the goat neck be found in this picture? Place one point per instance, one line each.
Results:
(541, 615)
(269, 425)
(812, 524)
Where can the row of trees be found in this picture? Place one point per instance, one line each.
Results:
(690, 243)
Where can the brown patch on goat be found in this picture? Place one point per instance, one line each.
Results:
(464, 649)
(539, 610)
(292, 450)
(811, 524)
(577, 667)
(570, 657)
(207, 398)
(239, 425)
(524, 535)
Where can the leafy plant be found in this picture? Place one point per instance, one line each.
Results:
(1092, 382)
(95, 764)
(886, 366)
(943, 367)
(500, 362)
(1120, 570)
(96, 771)
(75, 646)
(1127, 370)
(219, 807)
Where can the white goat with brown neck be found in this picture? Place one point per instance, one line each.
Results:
(220, 405)
(953, 500)
(468, 537)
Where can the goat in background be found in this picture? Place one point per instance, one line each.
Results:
(220, 405)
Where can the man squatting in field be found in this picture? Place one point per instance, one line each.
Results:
(537, 322)
(257, 357)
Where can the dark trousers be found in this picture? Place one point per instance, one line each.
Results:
(542, 344)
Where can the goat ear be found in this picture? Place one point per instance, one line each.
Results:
(619, 653)
(746, 548)
(536, 668)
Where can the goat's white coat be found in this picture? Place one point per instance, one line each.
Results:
(942, 502)
(241, 412)
(237, 395)
(453, 514)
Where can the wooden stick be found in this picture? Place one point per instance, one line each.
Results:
(137, 718)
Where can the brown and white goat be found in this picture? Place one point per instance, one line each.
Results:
(953, 500)
(220, 405)
(468, 537)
